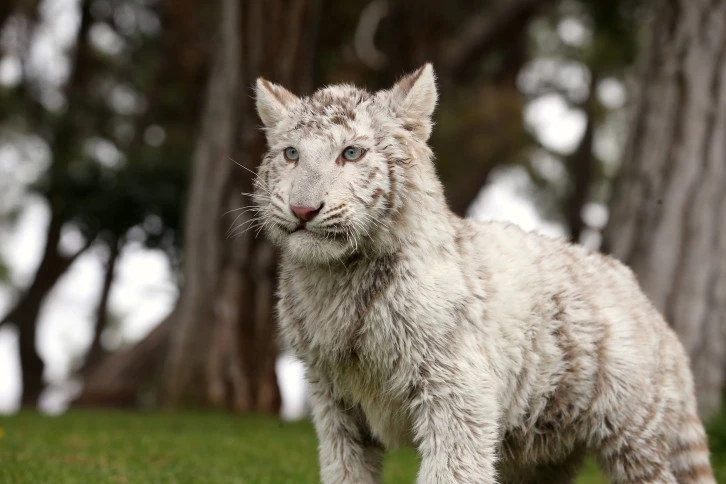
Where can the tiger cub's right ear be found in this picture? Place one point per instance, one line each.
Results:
(273, 102)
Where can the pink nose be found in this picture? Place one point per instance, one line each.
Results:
(305, 214)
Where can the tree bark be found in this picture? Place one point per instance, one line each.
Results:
(193, 335)
(668, 212)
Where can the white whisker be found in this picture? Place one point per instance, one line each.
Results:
(248, 208)
(256, 176)
(232, 231)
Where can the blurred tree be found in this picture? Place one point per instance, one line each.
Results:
(668, 210)
(580, 49)
(203, 363)
(174, 103)
(5, 10)
(96, 351)
(102, 158)
(54, 263)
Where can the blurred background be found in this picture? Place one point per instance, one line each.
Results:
(128, 134)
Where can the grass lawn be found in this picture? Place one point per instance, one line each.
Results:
(99, 447)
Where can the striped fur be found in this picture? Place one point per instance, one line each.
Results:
(502, 356)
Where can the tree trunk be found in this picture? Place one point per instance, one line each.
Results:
(222, 351)
(25, 311)
(581, 166)
(6, 9)
(53, 264)
(95, 351)
(196, 329)
(668, 212)
(120, 379)
(25, 315)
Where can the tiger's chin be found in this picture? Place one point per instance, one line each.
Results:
(311, 248)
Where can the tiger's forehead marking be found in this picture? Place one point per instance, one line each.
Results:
(329, 107)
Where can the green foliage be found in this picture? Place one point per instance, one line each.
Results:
(190, 447)
(615, 44)
(106, 175)
(109, 203)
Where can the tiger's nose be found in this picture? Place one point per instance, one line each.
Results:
(306, 214)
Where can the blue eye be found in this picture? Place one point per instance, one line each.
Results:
(291, 154)
(353, 153)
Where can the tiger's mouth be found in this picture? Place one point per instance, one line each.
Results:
(320, 233)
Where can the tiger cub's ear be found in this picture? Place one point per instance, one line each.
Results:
(414, 98)
(273, 102)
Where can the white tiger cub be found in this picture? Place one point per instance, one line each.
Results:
(501, 355)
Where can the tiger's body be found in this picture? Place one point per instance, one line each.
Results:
(500, 355)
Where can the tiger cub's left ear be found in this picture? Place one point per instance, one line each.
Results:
(414, 99)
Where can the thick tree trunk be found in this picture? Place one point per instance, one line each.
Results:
(222, 351)
(185, 376)
(668, 212)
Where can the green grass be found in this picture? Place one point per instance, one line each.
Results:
(99, 447)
